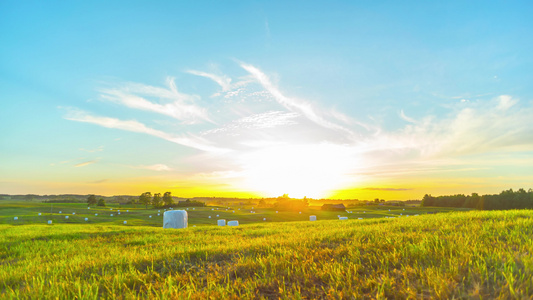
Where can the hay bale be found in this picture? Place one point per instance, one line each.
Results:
(59, 211)
(86, 219)
(359, 218)
(15, 218)
(233, 223)
(149, 216)
(125, 222)
(175, 219)
(209, 217)
(128, 210)
(95, 214)
(221, 222)
(111, 214)
(66, 217)
(312, 218)
(73, 213)
(264, 219)
(39, 214)
(343, 218)
(88, 208)
(217, 216)
(49, 222)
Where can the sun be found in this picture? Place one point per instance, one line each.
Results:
(313, 171)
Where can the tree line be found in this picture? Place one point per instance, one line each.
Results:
(507, 199)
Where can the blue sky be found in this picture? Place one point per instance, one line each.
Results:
(350, 99)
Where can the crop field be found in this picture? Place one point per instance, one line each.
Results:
(470, 254)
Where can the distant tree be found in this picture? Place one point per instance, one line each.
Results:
(91, 200)
(145, 198)
(376, 200)
(167, 199)
(156, 200)
(101, 202)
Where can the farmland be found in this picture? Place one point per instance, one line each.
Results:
(457, 254)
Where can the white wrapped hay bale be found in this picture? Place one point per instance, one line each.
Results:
(95, 215)
(111, 215)
(264, 219)
(233, 223)
(88, 208)
(125, 222)
(66, 217)
(49, 222)
(343, 218)
(175, 219)
(59, 211)
(149, 216)
(73, 213)
(86, 219)
(15, 218)
(221, 222)
(312, 218)
(39, 214)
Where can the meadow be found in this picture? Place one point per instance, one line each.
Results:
(472, 254)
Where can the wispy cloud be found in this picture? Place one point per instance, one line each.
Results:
(99, 181)
(83, 164)
(156, 167)
(98, 149)
(406, 118)
(269, 119)
(135, 126)
(293, 104)
(222, 80)
(180, 107)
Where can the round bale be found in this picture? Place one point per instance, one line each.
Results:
(175, 219)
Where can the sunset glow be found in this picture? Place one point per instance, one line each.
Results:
(345, 100)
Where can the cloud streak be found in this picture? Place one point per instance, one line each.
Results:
(135, 126)
(292, 104)
(177, 108)
(83, 164)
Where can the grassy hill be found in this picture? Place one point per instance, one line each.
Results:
(458, 254)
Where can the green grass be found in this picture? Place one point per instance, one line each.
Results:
(27, 213)
(453, 255)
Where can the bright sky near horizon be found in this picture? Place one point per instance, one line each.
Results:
(342, 99)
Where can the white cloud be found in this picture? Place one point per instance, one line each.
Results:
(135, 126)
(505, 102)
(178, 108)
(156, 167)
(406, 118)
(300, 106)
(224, 81)
(269, 119)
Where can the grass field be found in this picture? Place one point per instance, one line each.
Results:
(449, 255)
(28, 213)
